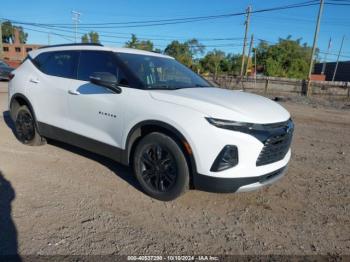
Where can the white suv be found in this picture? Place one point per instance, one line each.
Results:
(147, 110)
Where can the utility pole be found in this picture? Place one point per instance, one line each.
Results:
(336, 65)
(255, 67)
(325, 57)
(76, 20)
(249, 53)
(1, 47)
(309, 91)
(247, 22)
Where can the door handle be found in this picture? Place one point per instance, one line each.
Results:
(73, 92)
(34, 80)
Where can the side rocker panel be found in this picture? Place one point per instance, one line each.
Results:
(94, 146)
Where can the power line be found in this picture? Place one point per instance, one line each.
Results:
(341, 4)
(111, 35)
(319, 51)
(66, 37)
(62, 27)
(334, 54)
(296, 5)
(154, 38)
(302, 20)
(70, 38)
(160, 22)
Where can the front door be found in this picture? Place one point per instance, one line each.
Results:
(96, 112)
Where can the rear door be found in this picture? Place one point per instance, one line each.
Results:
(96, 112)
(47, 86)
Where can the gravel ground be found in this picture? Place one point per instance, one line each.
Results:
(60, 200)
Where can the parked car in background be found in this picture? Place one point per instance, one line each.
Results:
(5, 71)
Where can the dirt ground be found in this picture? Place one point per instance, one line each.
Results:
(57, 199)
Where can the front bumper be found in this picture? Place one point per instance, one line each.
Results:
(207, 145)
(242, 184)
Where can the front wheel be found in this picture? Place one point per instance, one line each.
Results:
(161, 167)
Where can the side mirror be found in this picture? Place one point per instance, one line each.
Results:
(107, 80)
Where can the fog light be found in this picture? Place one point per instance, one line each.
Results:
(227, 158)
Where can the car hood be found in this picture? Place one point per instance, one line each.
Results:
(225, 104)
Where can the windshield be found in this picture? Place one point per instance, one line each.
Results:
(160, 72)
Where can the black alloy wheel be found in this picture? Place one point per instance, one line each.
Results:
(25, 128)
(158, 168)
(161, 167)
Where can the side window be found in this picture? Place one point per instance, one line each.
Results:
(39, 60)
(99, 61)
(60, 63)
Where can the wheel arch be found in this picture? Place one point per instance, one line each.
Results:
(141, 129)
(18, 100)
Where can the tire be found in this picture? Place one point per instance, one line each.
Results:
(160, 167)
(25, 127)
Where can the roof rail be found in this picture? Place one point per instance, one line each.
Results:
(74, 44)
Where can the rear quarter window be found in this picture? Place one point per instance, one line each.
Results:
(59, 63)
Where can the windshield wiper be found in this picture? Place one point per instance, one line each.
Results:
(161, 87)
(167, 87)
(198, 85)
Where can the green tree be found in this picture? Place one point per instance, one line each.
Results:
(196, 48)
(85, 39)
(22, 35)
(231, 64)
(8, 33)
(213, 62)
(133, 42)
(186, 52)
(91, 37)
(158, 50)
(180, 51)
(287, 58)
(138, 44)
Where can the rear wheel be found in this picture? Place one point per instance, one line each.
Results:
(161, 167)
(25, 127)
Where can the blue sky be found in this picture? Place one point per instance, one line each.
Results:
(300, 22)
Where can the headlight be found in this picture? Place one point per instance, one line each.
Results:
(232, 125)
(260, 131)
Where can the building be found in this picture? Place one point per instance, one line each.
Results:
(318, 77)
(13, 54)
(343, 71)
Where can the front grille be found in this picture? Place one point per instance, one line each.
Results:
(276, 146)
